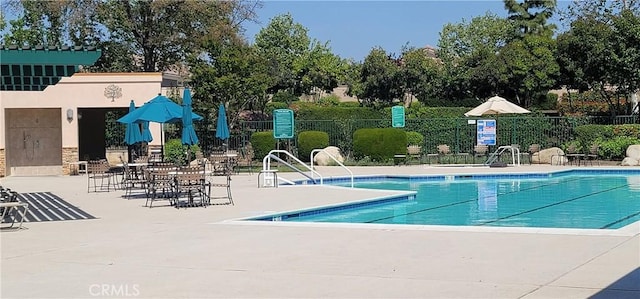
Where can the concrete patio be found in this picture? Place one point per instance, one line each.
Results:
(163, 252)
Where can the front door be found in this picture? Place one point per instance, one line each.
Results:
(34, 139)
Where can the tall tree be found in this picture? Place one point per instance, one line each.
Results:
(467, 51)
(531, 16)
(600, 51)
(418, 73)
(231, 73)
(379, 77)
(281, 43)
(528, 68)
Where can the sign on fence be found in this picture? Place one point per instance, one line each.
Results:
(397, 116)
(486, 131)
(283, 126)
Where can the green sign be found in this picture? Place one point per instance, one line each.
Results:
(397, 116)
(283, 123)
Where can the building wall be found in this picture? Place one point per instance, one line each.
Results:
(82, 90)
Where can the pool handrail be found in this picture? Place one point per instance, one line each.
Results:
(321, 150)
(266, 164)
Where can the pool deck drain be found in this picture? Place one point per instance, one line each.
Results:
(133, 251)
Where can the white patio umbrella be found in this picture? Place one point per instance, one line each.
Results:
(496, 105)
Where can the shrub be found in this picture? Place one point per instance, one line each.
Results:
(175, 152)
(284, 97)
(379, 144)
(263, 143)
(588, 134)
(615, 148)
(310, 140)
(415, 138)
(275, 105)
(328, 101)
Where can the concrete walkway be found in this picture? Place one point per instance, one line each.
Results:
(163, 252)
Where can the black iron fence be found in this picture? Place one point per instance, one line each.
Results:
(458, 133)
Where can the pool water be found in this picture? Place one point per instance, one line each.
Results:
(569, 201)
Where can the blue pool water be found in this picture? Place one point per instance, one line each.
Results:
(567, 200)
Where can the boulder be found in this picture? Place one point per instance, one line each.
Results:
(322, 159)
(554, 156)
(628, 161)
(633, 151)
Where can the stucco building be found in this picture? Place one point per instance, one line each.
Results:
(51, 114)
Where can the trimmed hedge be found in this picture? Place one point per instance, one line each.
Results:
(310, 140)
(262, 143)
(415, 138)
(379, 144)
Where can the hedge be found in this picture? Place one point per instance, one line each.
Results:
(262, 143)
(379, 144)
(310, 140)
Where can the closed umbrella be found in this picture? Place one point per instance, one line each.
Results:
(132, 134)
(188, 133)
(222, 128)
(146, 133)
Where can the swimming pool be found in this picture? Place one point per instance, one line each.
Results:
(586, 199)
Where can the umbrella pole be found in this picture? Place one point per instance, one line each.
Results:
(162, 142)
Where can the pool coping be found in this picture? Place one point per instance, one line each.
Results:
(628, 230)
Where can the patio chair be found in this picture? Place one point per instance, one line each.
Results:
(220, 180)
(191, 185)
(245, 159)
(11, 208)
(444, 151)
(414, 152)
(160, 185)
(480, 151)
(98, 176)
(593, 155)
(534, 148)
(573, 156)
(133, 179)
(221, 164)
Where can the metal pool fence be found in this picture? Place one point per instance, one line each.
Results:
(458, 133)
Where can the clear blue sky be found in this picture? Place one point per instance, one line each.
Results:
(352, 28)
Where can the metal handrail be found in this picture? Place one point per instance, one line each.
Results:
(266, 163)
(321, 150)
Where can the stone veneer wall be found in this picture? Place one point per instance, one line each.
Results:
(69, 154)
(3, 163)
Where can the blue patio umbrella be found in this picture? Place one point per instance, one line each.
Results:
(222, 128)
(188, 133)
(160, 110)
(132, 134)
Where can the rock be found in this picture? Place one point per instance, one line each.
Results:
(628, 161)
(322, 159)
(633, 151)
(554, 156)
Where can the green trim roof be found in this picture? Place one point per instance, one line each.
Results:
(36, 68)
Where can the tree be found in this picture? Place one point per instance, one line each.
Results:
(319, 69)
(467, 51)
(418, 74)
(530, 16)
(281, 43)
(528, 68)
(231, 73)
(379, 77)
(600, 51)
